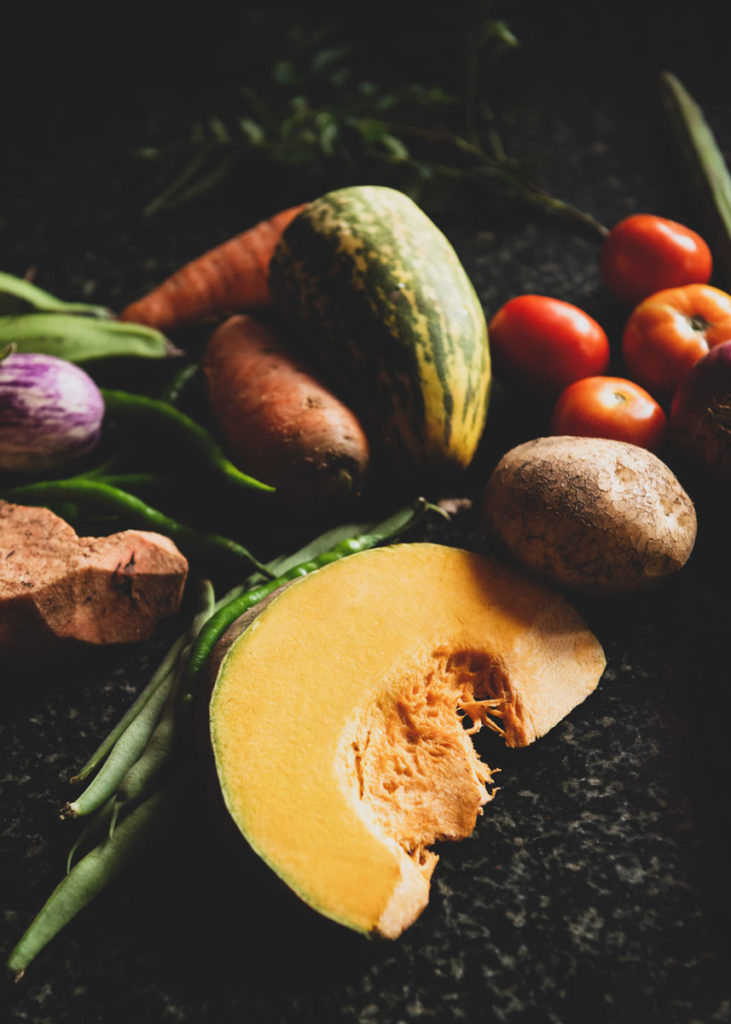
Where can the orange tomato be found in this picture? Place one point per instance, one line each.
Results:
(669, 332)
(610, 407)
(643, 254)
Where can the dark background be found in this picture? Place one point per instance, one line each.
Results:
(595, 888)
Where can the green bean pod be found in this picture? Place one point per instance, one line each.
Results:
(171, 659)
(162, 672)
(82, 339)
(95, 829)
(159, 415)
(123, 755)
(166, 739)
(142, 776)
(17, 295)
(93, 873)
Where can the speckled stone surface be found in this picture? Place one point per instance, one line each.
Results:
(595, 888)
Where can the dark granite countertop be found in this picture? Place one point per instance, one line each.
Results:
(595, 888)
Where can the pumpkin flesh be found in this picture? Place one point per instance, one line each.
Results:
(338, 717)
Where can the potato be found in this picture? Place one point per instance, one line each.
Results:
(593, 515)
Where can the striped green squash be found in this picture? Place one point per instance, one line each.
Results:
(382, 300)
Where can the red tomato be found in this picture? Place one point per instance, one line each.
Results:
(643, 254)
(543, 344)
(669, 332)
(610, 407)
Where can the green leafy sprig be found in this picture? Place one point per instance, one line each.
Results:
(317, 109)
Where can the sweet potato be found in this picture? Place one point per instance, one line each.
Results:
(279, 422)
(59, 591)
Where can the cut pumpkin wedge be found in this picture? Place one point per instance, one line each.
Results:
(341, 717)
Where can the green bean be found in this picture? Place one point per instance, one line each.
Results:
(230, 611)
(165, 738)
(20, 296)
(81, 339)
(205, 607)
(93, 873)
(87, 489)
(161, 673)
(162, 416)
(122, 756)
(96, 827)
(142, 775)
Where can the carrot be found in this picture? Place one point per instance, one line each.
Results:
(230, 278)
(276, 417)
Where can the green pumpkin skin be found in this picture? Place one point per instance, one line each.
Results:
(378, 295)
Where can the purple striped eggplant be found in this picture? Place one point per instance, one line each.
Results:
(51, 413)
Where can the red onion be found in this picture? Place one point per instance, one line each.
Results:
(51, 413)
(700, 415)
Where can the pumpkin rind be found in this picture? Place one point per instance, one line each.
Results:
(334, 698)
(386, 305)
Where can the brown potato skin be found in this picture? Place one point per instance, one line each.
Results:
(278, 422)
(593, 515)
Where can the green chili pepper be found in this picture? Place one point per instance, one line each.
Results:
(160, 415)
(99, 494)
(179, 382)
